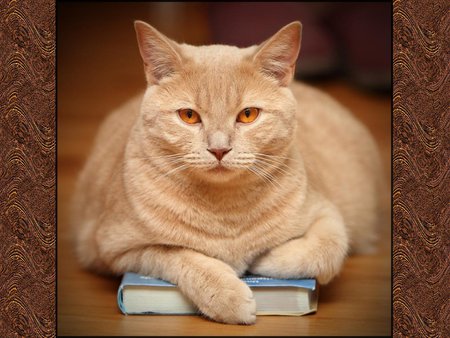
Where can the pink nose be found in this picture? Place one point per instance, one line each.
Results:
(219, 153)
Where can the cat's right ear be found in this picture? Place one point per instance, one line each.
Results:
(158, 52)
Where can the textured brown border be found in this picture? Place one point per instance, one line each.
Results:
(27, 168)
(420, 167)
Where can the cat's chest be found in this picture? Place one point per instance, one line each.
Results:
(235, 238)
(235, 230)
(239, 251)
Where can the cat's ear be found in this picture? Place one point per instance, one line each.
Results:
(158, 52)
(277, 56)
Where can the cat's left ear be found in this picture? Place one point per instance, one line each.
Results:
(277, 56)
(158, 52)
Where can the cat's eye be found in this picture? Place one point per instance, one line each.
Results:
(248, 115)
(189, 116)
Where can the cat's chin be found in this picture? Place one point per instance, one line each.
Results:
(219, 169)
(220, 174)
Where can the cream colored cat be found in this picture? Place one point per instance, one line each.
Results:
(224, 166)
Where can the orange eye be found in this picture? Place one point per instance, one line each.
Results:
(248, 115)
(189, 116)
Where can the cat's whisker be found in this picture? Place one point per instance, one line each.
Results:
(200, 164)
(257, 173)
(272, 161)
(161, 160)
(167, 156)
(168, 163)
(176, 169)
(199, 160)
(278, 157)
(192, 156)
(280, 167)
(265, 178)
(272, 164)
(271, 155)
(161, 165)
(268, 175)
(173, 159)
(241, 164)
(177, 155)
(275, 163)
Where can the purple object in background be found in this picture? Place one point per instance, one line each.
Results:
(351, 39)
(365, 32)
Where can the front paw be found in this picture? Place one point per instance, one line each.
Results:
(296, 259)
(230, 301)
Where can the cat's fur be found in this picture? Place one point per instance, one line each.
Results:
(300, 192)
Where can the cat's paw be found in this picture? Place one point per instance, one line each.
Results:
(230, 302)
(329, 269)
(297, 259)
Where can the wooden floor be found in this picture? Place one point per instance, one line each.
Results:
(98, 68)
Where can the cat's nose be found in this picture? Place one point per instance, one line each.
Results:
(219, 153)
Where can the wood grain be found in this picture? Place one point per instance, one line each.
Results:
(27, 168)
(420, 166)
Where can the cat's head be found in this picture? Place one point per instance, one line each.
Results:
(218, 110)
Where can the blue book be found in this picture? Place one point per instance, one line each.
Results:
(139, 294)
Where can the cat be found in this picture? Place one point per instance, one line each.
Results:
(225, 165)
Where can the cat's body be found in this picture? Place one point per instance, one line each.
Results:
(299, 189)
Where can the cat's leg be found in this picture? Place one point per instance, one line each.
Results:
(320, 253)
(212, 285)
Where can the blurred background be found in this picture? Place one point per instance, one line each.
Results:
(346, 51)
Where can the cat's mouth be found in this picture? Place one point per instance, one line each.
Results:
(219, 168)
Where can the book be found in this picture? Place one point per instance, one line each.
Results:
(139, 294)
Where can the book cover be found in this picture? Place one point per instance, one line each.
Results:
(273, 296)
